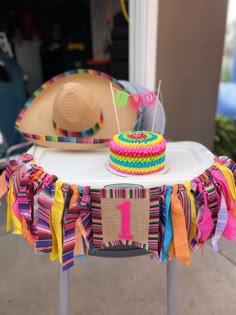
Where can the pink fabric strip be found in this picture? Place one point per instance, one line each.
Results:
(230, 228)
(205, 224)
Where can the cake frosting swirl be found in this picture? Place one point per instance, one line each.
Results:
(137, 153)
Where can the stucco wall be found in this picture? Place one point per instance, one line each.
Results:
(190, 47)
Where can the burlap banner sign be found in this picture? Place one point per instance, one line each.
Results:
(123, 216)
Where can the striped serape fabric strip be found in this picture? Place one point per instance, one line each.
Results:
(15, 164)
(85, 214)
(45, 199)
(23, 199)
(67, 258)
(97, 226)
(154, 220)
(77, 226)
(96, 218)
(126, 193)
(35, 184)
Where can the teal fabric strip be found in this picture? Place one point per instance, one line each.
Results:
(168, 234)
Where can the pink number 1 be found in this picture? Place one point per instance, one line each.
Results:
(125, 220)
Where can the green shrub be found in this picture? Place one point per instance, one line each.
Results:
(226, 75)
(225, 137)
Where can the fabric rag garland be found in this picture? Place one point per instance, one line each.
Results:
(67, 221)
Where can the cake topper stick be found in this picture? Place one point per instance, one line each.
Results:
(117, 120)
(157, 100)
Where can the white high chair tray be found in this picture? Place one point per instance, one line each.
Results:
(185, 160)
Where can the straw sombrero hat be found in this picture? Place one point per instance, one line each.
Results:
(75, 111)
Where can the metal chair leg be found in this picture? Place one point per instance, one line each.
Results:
(172, 295)
(63, 294)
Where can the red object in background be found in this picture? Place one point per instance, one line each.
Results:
(94, 62)
(102, 65)
(27, 25)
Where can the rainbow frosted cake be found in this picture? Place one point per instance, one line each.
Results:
(137, 153)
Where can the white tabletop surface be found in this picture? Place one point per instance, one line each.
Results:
(185, 160)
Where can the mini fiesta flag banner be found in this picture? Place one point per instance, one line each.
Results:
(135, 100)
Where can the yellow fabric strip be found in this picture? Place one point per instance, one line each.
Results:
(56, 222)
(181, 246)
(17, 228)
(9, 205)
(230, 180)
(193, 229)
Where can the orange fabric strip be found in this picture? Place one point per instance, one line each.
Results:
(26, 232)
(171, 251)
(36, 175)
(79, 248)
(79, 232)
(181, 246)
(75, 195)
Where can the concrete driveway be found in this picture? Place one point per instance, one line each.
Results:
(114, 286)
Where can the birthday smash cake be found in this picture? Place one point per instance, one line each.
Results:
(137, 153)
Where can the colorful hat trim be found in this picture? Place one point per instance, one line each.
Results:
(84, 134)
